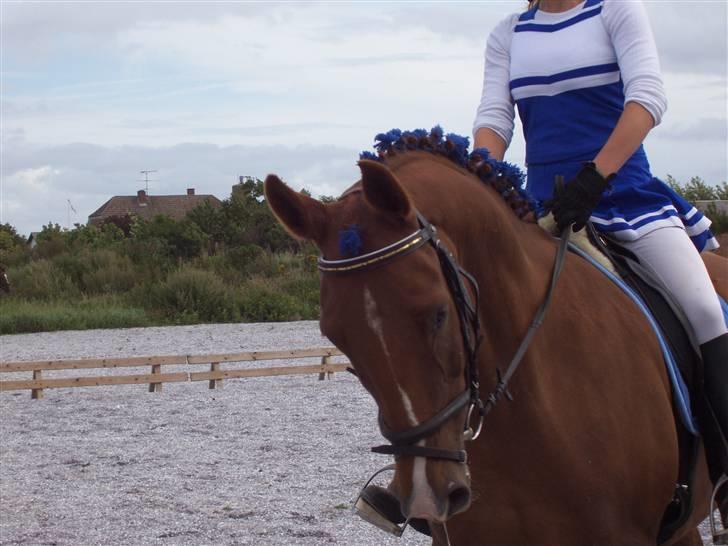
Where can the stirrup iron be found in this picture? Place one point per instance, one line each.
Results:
(720, 536)
(369, 513)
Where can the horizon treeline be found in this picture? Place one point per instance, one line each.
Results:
(229, 263)
(232, 263)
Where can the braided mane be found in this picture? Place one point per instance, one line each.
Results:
(507, 179)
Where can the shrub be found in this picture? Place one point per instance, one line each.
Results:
(698, 190)
(190, 294)
(246, 259)
(719, 219)
(72, 266)
(305, 290)
(184, 239)
(261, 300)
(39, 280)
(222, 268)
(109, 273)
(152, 258)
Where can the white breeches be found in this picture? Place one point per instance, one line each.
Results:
(675, 261)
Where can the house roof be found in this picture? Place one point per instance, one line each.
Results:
(149, 206)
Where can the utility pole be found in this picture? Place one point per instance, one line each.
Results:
(146, 179)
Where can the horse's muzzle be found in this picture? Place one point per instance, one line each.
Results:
(439, 499)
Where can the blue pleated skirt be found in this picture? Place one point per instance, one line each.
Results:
(636, 204)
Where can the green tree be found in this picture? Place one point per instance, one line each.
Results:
(13, 247)
(210, 220)
(123, 222)
(82, 236)
(722, 191)
(184, 239)
(51, 241)
(243, 219)
(9, 237)
(698, 190)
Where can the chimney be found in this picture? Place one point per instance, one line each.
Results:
(241, 179)
(142, 197)
(190, 191)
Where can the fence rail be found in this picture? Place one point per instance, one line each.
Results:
(215, 375)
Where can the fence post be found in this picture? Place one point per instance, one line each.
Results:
(324, 364)
(156, 370)
(37, 394)
(215, 383)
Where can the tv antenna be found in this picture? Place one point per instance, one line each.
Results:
(69, 208)
(146, 179)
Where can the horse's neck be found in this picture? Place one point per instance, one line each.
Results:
(511, 259)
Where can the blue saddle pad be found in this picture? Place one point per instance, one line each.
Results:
(681, 395)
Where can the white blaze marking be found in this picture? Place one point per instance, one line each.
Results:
(423, 498)
(411, 417)
(375, 323)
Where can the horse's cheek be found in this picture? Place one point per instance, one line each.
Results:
(448, 353)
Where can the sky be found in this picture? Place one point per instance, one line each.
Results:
(92, 93)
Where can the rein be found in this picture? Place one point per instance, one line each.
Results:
(403, 443)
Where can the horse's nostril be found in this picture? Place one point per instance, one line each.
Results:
(459, 500)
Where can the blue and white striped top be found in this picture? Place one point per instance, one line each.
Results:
(570, 75)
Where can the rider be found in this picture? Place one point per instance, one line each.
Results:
(585, 77)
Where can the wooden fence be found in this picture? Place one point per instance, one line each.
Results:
(215, 375)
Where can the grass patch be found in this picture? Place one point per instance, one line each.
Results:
(106, 290)
(18, 317)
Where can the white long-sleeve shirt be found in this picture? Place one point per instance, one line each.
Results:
(569, 73)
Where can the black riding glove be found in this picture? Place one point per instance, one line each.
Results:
(574, 203)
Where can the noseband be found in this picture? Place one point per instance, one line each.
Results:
(403, 443)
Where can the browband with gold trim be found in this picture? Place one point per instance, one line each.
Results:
(378, 257)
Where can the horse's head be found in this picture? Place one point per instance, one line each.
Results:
(386, 303)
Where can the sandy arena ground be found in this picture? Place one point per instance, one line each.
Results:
(269, 461)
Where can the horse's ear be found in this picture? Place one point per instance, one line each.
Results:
(382, 189)
(302, 216)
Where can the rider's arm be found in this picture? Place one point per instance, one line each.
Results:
(631, 129)
(488, 138)
(645, 100)
(494, 121)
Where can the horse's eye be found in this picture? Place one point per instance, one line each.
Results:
(440, 318)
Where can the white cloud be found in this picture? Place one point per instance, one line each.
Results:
(92, 96)
(88, 175)
(280, 69)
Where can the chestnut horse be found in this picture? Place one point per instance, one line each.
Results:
(586, 453)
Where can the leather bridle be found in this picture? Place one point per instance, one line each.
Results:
(403, 443)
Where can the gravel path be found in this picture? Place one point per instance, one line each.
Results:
(267, 461)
